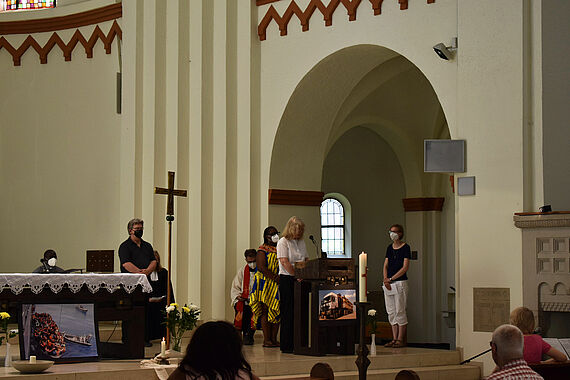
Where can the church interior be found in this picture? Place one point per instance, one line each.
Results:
(265, 109)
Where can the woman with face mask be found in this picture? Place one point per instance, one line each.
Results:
(395, 286)
(264, 297)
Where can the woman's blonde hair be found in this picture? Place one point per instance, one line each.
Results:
(294, 228)
(523, 318)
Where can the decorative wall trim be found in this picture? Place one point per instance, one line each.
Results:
(555, 306)
(263, 2)
(423, 204)
(295, 197)
(327, 11)
(94, 16)
(542, 220)
(67, 49)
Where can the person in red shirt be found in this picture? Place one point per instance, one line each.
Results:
(534, 346)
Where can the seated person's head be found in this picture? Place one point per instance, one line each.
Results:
(507, 344)
(157, 257)
(523, 318)
(49, 255)
(250, 255)
(215, 349)
(322, 371)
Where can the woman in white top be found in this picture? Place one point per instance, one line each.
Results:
(291, 249)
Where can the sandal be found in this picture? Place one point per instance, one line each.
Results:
(398, 344)
(390, 343)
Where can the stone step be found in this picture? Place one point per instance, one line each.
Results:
(443, 372)
(408, 357)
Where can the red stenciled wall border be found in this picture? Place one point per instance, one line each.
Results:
(92, 17)
(327, 11)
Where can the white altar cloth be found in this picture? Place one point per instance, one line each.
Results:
(16, 282)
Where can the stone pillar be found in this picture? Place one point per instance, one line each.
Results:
(423, 231)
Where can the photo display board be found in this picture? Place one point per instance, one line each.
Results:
(58, 332)
(335, 305)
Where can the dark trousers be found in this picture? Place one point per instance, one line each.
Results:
(246, 321)
(286, 286)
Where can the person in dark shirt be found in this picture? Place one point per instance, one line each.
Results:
(137, 256)
(49, 263)
(395, 286)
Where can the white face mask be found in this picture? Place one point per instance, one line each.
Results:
(52, 262)
(251, 265)
(275, 238)
(394, 235)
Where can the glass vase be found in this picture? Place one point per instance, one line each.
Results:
(8, 359)
(373, 345)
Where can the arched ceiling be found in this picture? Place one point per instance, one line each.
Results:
(363, 85)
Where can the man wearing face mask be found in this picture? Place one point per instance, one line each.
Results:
(49, 263)
(137, 256)
(241, 288)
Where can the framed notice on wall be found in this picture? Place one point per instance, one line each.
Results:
(491, 308)
(58, 332)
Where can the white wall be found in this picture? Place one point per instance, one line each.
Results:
(490, 109)
(59, 154)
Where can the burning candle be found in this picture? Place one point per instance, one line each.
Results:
(362, 270)
(32, 359)
(163, 347)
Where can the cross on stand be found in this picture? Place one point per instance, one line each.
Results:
(171, 192)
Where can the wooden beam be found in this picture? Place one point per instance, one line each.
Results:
(94, 16)
(423, 204)
(295, 197)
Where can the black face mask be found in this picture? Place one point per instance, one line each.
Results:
(138, 233)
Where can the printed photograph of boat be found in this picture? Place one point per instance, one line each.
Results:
(337, 304)
(59, 332)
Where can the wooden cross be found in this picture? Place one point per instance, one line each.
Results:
(171, 192)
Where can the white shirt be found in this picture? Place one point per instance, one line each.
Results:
(294, 250)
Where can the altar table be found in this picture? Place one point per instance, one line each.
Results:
(116, 296)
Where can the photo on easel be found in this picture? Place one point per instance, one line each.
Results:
(337, 304)
(58, 332)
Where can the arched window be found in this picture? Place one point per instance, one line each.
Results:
(332, 227)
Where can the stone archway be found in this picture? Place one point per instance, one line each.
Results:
(373, 95)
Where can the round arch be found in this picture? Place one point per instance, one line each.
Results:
(324, 105)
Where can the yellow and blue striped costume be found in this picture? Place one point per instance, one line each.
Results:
(265, 291)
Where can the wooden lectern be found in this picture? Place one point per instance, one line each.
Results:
(325, 310)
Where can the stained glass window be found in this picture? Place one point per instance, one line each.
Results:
(332, 226)
(12, 5)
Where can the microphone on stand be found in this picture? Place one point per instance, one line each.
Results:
(46, 268)
(312, 238)
(322, 254)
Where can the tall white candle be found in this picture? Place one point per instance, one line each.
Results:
(362, 270)
(163, 347)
